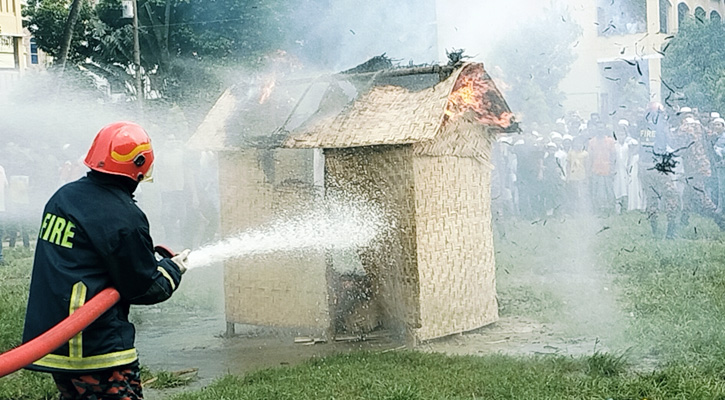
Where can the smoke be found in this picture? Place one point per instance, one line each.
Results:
(342, 34)
(477, 26)
(54, 110)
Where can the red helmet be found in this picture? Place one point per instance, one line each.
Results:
(121, 148)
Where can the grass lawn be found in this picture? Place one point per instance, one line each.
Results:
(14, 282)
(414, 375)
(670, 294)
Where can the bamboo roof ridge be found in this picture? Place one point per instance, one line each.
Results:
(386, 111)
(394, 115)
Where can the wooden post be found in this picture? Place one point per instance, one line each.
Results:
(231, 330)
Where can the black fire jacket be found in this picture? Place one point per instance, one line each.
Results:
(93, 236)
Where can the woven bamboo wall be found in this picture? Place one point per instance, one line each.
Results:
(455, 245)
(384, 175)
(434, 274)
(272, 290)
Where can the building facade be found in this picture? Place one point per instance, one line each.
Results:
(12, 55)
(619, 55)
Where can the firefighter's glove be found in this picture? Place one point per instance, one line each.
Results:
(181, 260)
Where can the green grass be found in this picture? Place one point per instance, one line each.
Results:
(166, 379)
(671, 294)
(525, 252)
(605, 364)
(414, 375)
(674, 290)
(14, 282)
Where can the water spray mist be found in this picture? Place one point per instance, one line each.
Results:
(335, 223)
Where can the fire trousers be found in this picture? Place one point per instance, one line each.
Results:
(119, 383)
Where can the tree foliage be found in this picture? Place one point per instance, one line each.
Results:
(46, 19)
(184, 43)
(533, 60)
(694, 65)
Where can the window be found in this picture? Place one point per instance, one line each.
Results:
(700, 14)
(7, 7)
(33, 51)
(665, 7)
(715, 16)
(7, 52)
(682, 12)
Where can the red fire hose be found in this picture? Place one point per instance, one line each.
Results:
(60, 334)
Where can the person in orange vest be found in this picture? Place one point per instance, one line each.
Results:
(602, 155)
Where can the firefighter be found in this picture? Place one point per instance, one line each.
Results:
(697, 169)
(657, 176)
(93, 236)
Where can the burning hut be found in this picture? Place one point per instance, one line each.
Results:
(416, 142)
(424, 156)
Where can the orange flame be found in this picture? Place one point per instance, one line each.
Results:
(475, 91)
(267, 90)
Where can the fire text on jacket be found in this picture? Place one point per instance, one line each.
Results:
(57, 230)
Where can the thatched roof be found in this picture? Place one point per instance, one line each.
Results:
(385, 115)
(391, 107)
(394, 115)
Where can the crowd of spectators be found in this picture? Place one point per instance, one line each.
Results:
(182, 203)
(652, 161)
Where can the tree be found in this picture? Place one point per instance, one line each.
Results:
(184, 43)
(73, 14)
(693, 69)
(532, 61)
(47, 21)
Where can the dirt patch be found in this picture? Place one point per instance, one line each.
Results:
(178, 342)
(515, 336)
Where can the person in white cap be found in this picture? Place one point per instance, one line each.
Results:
(577, 181)
(552, 187)
(529, 174)
(625, 149)
(685, 112)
